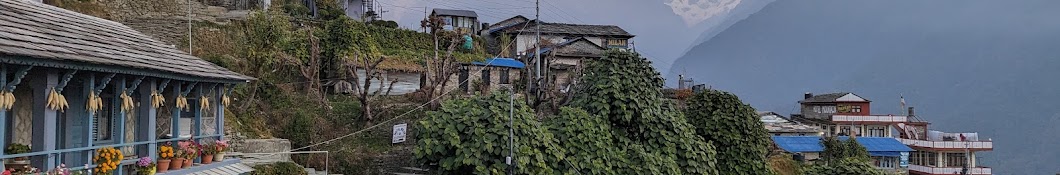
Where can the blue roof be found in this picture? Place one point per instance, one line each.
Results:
(877, 146)
(501, 62)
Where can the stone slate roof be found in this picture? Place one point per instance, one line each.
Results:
(43, 35)
(577, 29)
(824, 98)
(451, 12)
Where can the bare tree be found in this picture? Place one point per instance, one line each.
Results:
(439, 68)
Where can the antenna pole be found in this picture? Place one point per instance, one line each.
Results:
(537, 50)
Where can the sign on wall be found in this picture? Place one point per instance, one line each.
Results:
(904, 160)
(399, 133)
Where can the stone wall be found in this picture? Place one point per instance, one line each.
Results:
(23, 121)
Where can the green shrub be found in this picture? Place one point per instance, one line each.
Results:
(734, 128)
(471, 135)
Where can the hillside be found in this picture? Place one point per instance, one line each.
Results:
(968, 66)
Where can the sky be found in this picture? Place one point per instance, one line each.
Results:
(663, 28)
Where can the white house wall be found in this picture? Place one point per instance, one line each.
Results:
(406, 82)
(850, 97)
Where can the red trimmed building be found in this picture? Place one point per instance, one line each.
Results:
(937, 153)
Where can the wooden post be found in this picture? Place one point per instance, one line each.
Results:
(146, 121)
(119, 138)
(220, 116)
(196, 128)
(45, 121)
(3, 113)
(89, 88)
(175, 131)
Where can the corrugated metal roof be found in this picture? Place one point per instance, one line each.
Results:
(813, 144)
(501, 62)
(46, 33)
(451, 12)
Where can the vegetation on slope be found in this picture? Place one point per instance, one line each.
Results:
(741, 140)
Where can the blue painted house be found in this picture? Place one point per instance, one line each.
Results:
(886, 153)
(48, 54)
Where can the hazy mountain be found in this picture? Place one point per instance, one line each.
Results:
(967, 65)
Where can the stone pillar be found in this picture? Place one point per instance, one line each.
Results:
(146, 121)
(45, 121)
(939, 159)
(888, 131)
(972, 157)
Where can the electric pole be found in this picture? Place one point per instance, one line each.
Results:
(537, 50)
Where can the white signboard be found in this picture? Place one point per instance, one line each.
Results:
(399, 133)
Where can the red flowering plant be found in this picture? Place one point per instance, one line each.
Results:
(190, 149)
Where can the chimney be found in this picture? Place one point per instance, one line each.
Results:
(910, 112)
(807, 95)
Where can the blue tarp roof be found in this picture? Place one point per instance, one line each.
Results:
(877, 146)
(501, 62)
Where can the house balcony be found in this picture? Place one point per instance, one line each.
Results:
(868, 119)
(948, 145)
(925, 170)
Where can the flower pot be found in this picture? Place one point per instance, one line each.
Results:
(176, 164)
(207, 159)
(219, 156)
(163, 165)
(187, 163)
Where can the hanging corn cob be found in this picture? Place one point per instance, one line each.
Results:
(94, 103)
(182, 103)
(157, 100)
(127, 104)
(225, 100)
(7, 100)
(204, 103)
(57, 101)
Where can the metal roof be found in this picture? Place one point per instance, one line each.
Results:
(451, 12)
(39, 34)
(501, 62)
(880, 145)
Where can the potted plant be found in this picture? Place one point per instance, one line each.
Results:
(145, 166)
(191, 151)
(208, 150)
(60, 170)
(107, 160)
(178, 159)
(165, 154)
(221, 146)
(18, 149)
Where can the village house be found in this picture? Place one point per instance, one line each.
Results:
(358, 9)
(936, 152)
(563, 46)
(462, 21)
(49, 54)
(494, 73)
(886, 153)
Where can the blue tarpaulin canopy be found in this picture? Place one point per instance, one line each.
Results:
(501, 62)
(877, 146)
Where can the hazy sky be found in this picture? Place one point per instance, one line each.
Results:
(663, 28)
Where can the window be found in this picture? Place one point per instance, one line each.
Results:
(885, 162)
(855, 109)
(617, 43)
(103, 121)
(824, 109)
(504, 76)
(955, 159)
(876, 131)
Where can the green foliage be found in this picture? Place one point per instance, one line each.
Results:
(15, 148)
(384, 23)
(471, 135)
(588, 140)
(735, 129)
(624, 87)
(845, 166)
(836, 150)
(289, 168)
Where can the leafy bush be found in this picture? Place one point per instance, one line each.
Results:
(287, 168)
(624, 87)
(588, 140)
(470, 136)
(734, 128)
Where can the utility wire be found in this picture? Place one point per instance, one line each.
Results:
(476, 73)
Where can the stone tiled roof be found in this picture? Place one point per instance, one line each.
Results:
(50, 36)
(451, 12)
(831, 97)
(578, 29)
